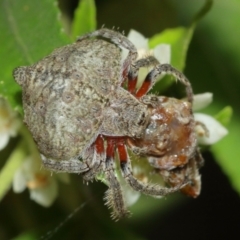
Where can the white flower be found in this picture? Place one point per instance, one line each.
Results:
(161, 52)
(209, 130)
(9, 123)
(41, 183)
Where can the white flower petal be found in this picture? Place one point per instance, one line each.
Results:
(202, 100)
(4, 138)
(30, 167)
(162, 53)
(130, 196)
(139, 41)
(142, 73)
(19, 181)
(45, 196)
(216, 130)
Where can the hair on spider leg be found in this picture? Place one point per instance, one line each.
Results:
(114, 201)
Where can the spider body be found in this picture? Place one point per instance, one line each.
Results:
(80, 115)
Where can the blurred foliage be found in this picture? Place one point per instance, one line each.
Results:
(7, 172)
(84, 18)
(32, 29)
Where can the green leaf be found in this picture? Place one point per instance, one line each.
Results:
(227, 153)
(26, 236)
(84, 18)
(179, 39)
(203, 11)
(7, 172)
(225, 115)
(29, 31)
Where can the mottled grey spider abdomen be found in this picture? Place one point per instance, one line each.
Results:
(64, 94)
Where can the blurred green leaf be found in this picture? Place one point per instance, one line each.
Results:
(225, 115)
(7, 172)
(84, 18)
(205, 9)
(29, 30)
(26, 236)
(227, 153)
(179, 39)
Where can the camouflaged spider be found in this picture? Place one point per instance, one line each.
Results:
(79, 114)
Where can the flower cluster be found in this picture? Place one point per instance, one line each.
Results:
(41, 183)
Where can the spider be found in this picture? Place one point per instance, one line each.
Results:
(80, 116)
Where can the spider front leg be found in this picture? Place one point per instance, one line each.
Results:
(114, 197)
(133, 74)
(116, 37)
(70, 166)
(103, 161)
(153, 75)
(96, 159)
(168, 69)
(148, 189)
(190, 171)
(122, 42)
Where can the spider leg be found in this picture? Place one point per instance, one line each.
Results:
(71, 166)
(133, 73)
(114, 197)
(116, 37)
(153, 75)
(148, 189)
(199, 159)
(122, 42)
(96, 160)
(168, 69)
(190, 171)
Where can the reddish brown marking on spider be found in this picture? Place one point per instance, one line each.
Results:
(132, 82)
(99, 143)
(79, 114)
(144, 88)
